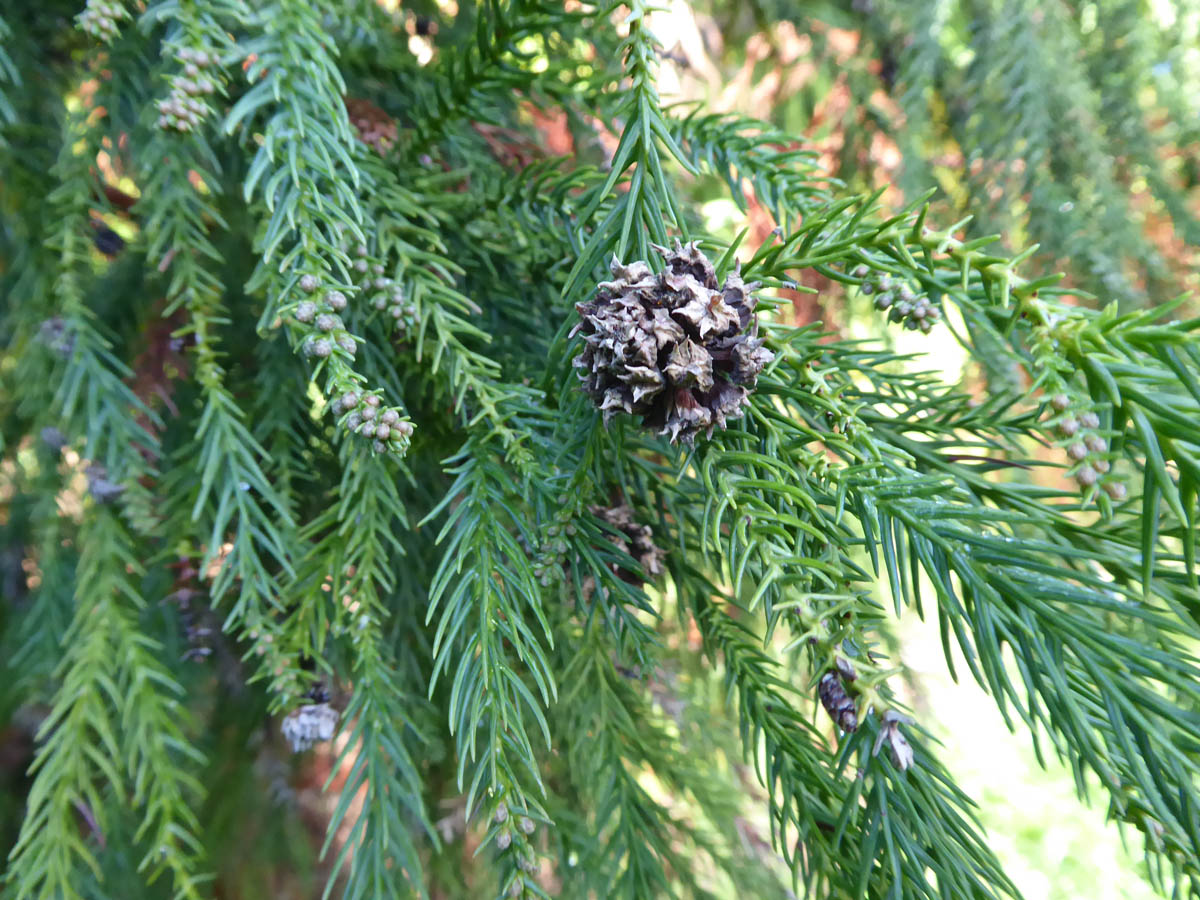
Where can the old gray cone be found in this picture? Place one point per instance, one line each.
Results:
(309, 725)
(673, 347)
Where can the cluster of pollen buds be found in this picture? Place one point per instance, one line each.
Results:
(899, 300)
(385, 294)
(1086, 447)
(184, 108)
(832, 691)
(374, 126)
(674, 347)
(393, 303)
(505, 833)
(638, 542)
(308, 725)
(323, 316)
(58, 336)
(549, 562)
(100, 18)
(364, 414)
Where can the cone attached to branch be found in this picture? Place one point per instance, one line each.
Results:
(674, 347)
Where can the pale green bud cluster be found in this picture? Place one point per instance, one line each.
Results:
(185, 107)
(100, 18)
(1079, 430)
(899, 300)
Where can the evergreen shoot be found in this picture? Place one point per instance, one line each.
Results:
(406, 491)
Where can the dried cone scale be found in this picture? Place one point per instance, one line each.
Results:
(673, 347)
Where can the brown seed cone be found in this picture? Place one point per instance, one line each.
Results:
(638, 543)
(674, 347)
(837, 702)
(374, 126)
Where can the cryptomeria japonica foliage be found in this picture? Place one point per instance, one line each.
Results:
(1073, 124)
(351, 434)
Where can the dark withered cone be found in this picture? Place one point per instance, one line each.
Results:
(638, 542)
(837, 702)
(673, 347)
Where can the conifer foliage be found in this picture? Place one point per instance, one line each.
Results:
(348, 433)
(1075, 125)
